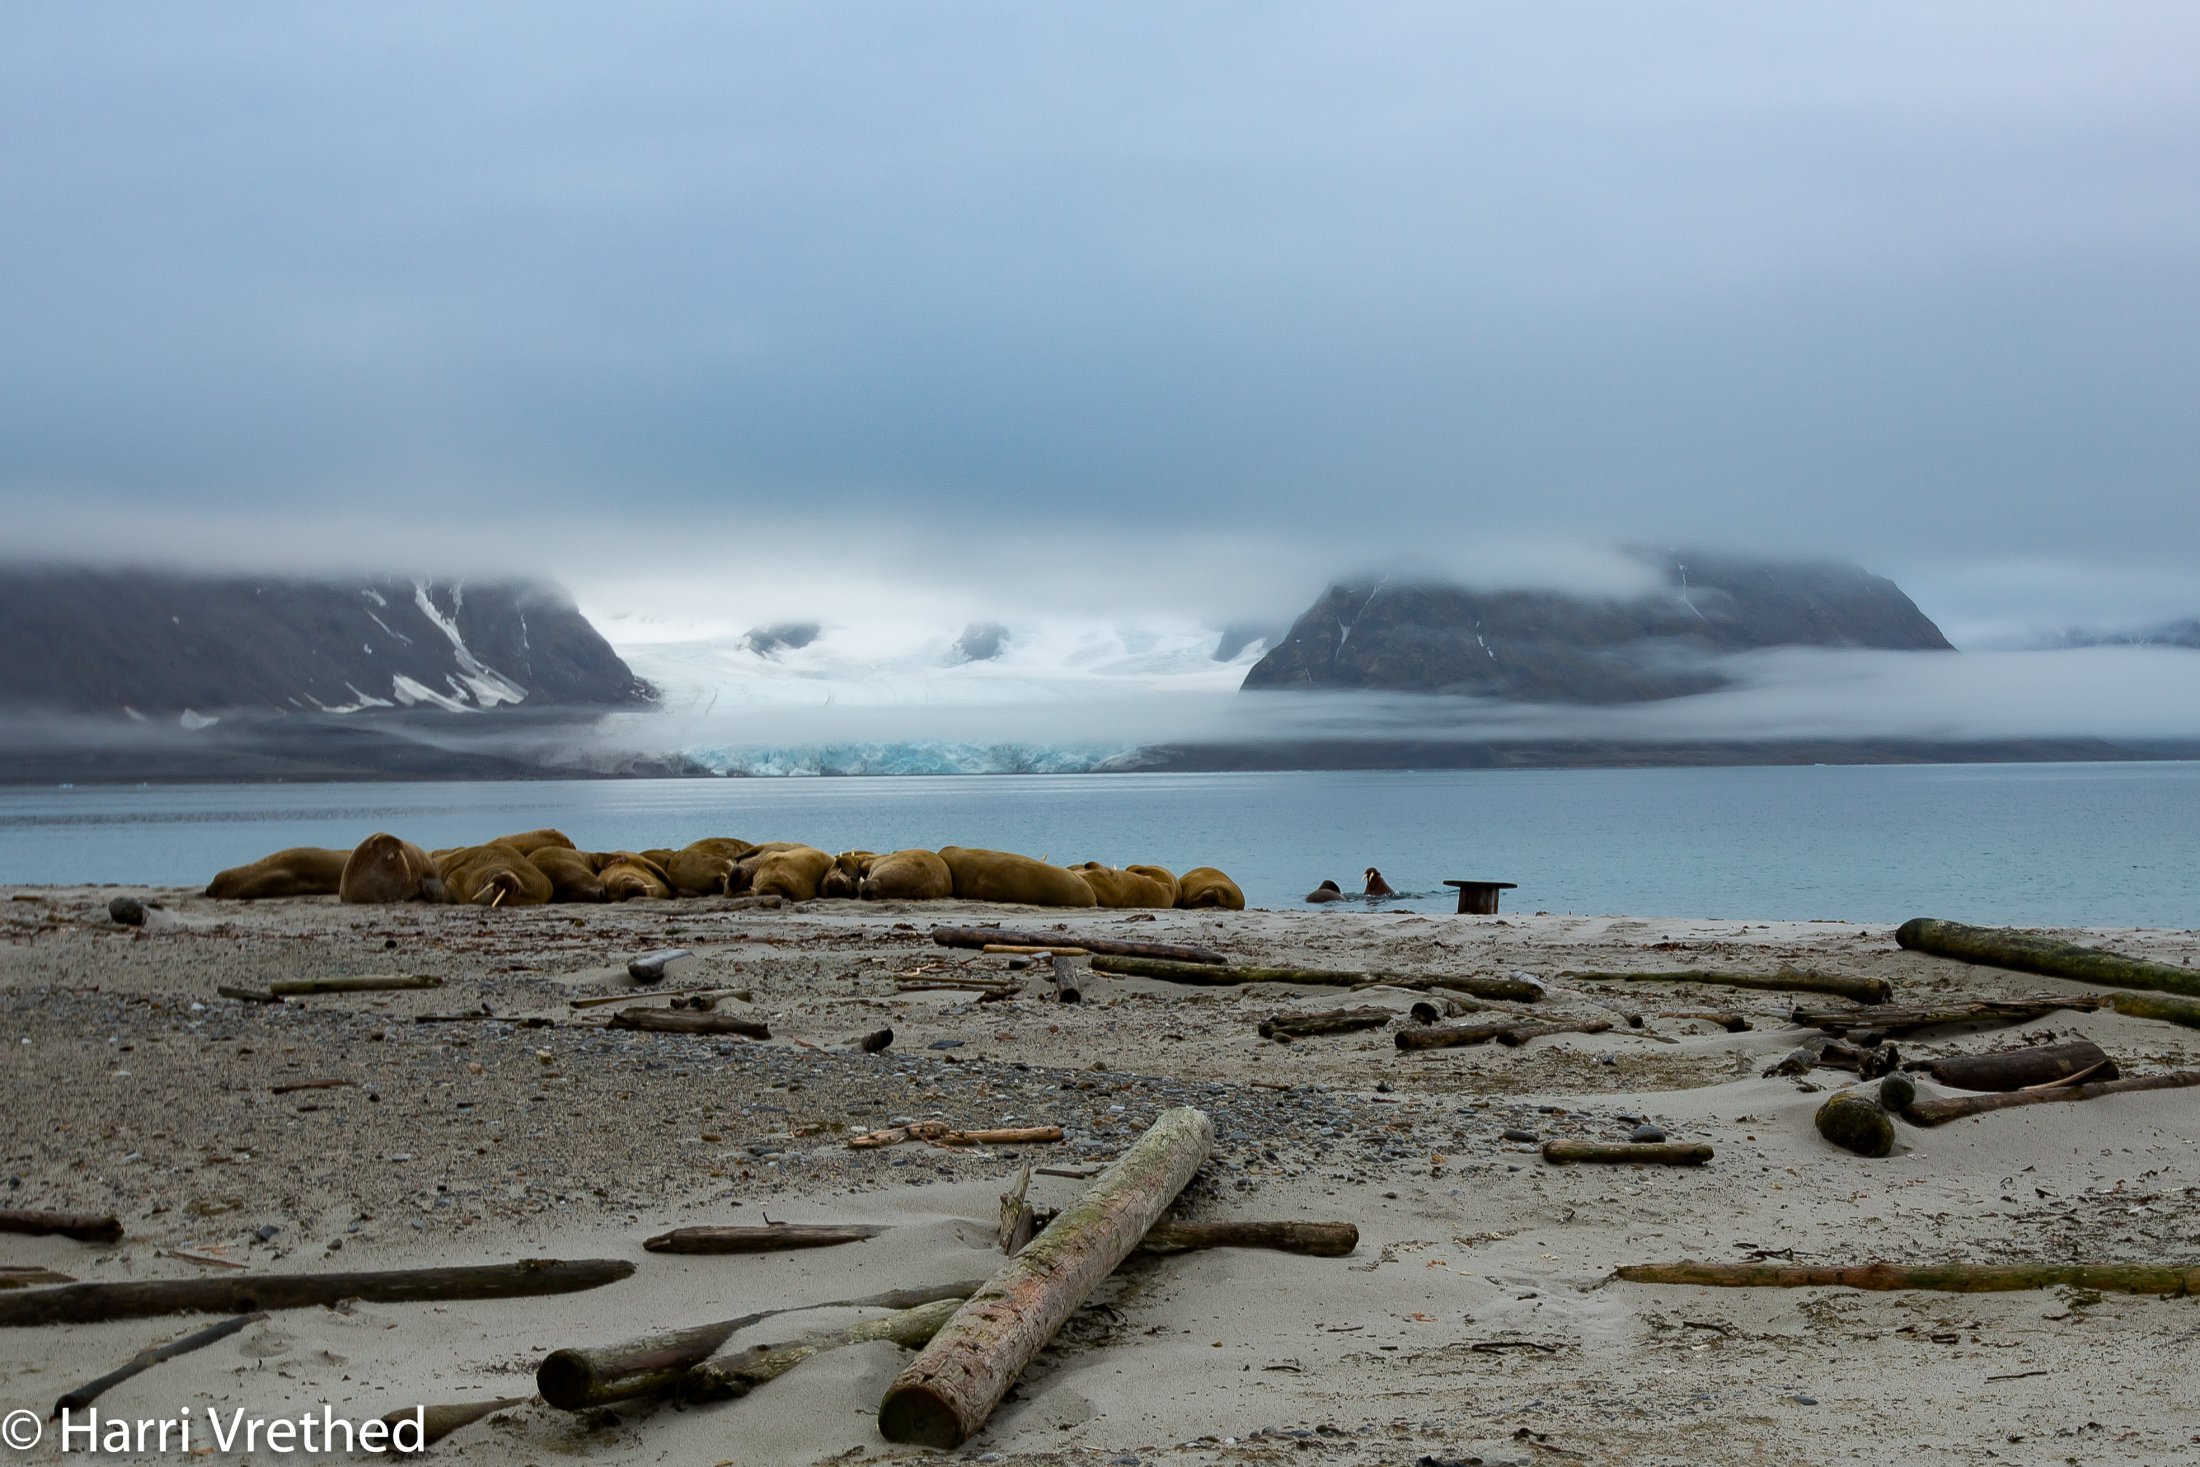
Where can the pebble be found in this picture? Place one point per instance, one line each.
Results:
(945, 1044)
(129, 911)
(1802, 1400)
(1514, 1133)
(1647, 1131)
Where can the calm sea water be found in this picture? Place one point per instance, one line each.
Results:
(2098, 844)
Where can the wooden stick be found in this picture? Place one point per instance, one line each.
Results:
(667, 1021)
(1903, 1020)
(1862, 990)
(144, 1360)
(1231, 975)
(1520, 1034)
(300, 987)
(577, 1378)
(91, 1303)
(1019, 1220)
(1025, 949)
(2021, 1069)
(996, 987)
(2157, 1006)
(82, 1226)
(1286, 1027)
(767, 1239)
(297, 1085)
(438, 1422)
(1956, 1107)
(30, 1276)
(2031, 952)
(730, 1376)
(939, 1134)
(1121, 947)
(247, 995)
(1067, 988)
(1954, 1278)
(1656, 1153)
(949, 1391)
(1315, 1239)
(650, 967)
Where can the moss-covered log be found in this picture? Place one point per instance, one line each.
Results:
(1232, 974)
(2158, 1006)
(1956, 1107)
(1952, 1278)
(1862, 990)
(2032, 952)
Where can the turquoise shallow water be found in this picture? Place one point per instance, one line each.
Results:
(2092, 844)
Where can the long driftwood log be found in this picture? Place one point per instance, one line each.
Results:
(1907, 1018)
(1121, 947)
(1511, 1031)
(301, 987)
(144, 1360)
(1519, 1034)
(243, 1294)
(940, 1134)
(1862, 990)
(1956, 1107)
(1233, 974)
(2031, 952)
(2020, 1069)
(687, 1021)
(948, 1391)
(735, 1374)
(1287, 1027)
(1314, 1239)
(1955, 1278)
(1656, 1153)
(770, 1238)
(579, 1377)
(83, 1226)
(2158, 1006)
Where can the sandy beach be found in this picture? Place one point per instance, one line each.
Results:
(1475, 1322)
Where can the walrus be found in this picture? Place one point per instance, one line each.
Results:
(703, 867)
(907, 876)
(744, 870)
(299, 871)
(572, 875)
(383, 868)
(1004, 876)
(1376, 886)
(628, 874)
(792, 874)
(1204, 886)
(527, 842)
(1328, 891)
(1126, 887)
(493, 876)
(846, 876)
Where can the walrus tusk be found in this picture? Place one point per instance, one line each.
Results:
(498, 899)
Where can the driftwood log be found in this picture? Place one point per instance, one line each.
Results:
(1511, 1030)
(1231, 975)
(1027, 950)
(2030, 952)
(685, 1021)
(302, 987)
(1067, 986)
(980, 937)
(2159, 1006)
(1656, 1153)
(1955, 1278)
(1862, 990)
(1904, 1019)
(1314, 1239)
(2021, 1069)
(82, 1226)
(144, 1360)
(30, 1276)
(940, 1134)
(438, 1422)
(91, 1303)
(770, 1238)
(579, 1377)
(732, 1375)
(650, 967)
(1519, 1034)
(1286, 1027)
(949, 1391)
(1956, 1107)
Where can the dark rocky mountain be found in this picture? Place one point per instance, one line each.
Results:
(1556, 647)
(166, 646)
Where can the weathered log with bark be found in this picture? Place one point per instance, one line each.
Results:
(1956, 1107)
(83, 1226)
(1862, 990)
(2021, 1069)
(1856, 1123)
(1906, 1019)
(301, 987)
(668, 1021)
(1657, 1153)
(1122, 947)
(1510, 1031)
(1068, 987)
(1029, 950)
(2032, 952)
(1520, 1034)
(438, 1422)
(579, 1377)
(1954, 1278)
(2159, 1006)
(770, 1238)
(1232, 975)
(1314, 1239)
(1731, 1023)
(30, 1276)
(732, 1375)
(144, 1360)
(1286, 1027)
(947, 1393)
(90, 1303)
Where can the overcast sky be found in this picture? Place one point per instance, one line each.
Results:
(1252, 292)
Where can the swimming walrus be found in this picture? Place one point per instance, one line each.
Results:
(1204, 886)
(527, 842)
(907, 876)
(383, 868)
(1376, 886)
(572, 875)
(1328, 891)
(1128, 886)
(493, 876)
(627, 874)
(299, 871)
(792, 874)
(1004, 876)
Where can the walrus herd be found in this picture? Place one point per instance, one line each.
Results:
(538, 867)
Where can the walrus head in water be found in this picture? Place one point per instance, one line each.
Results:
(1328, 891)
(1376, 886)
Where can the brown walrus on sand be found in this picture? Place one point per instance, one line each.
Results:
(1204, 886)
(846, 877)
(1131, 886)
(907, 876)
(572, 875)
(527, 842)
(1003, 876)
(791, 874)
(703, 867)
(493, 876)
(299, 871)
(384, 868)
(626, 875)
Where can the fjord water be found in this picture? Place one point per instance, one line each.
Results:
(2077, 844)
